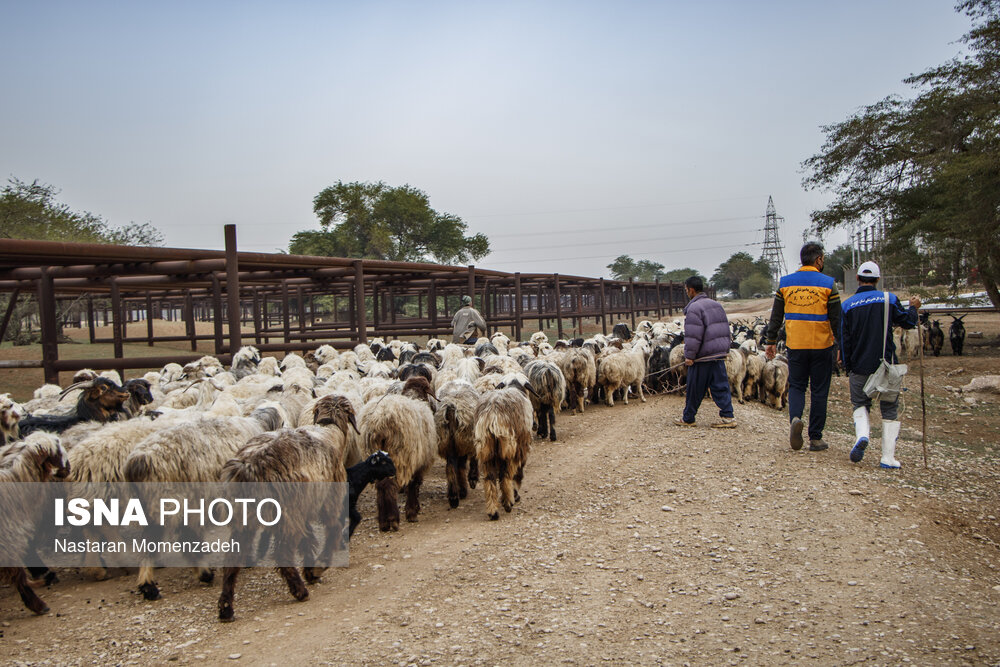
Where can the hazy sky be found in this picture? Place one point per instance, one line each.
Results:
(568, 132)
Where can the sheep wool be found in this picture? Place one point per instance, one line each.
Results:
(503, 440)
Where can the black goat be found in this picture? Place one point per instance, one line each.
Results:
(936, 337)
(658, 367)
(622, 331)
(140, 394)
(956, 334)
(101, 400)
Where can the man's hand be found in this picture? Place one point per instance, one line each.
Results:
(689, 362)
(770, 351)
(915, 302)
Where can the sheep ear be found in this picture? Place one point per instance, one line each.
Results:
(482, 364)
(527, 385)
(354, 424)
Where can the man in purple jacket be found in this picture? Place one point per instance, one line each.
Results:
(706, 344)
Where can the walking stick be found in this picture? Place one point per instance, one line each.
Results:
(923, 402)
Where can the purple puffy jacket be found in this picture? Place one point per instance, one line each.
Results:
(706, 329)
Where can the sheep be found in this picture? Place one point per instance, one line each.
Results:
(469, 368)
(404, 427)
(308, 454)
(956, 335)
(11, 414)
(621, 331)
(936, 338)
(623, 370)
(752, 384)
(451, 354)
(454, 421)
(101, 400)
(140, 394)
(431, 359)
(38, 458)
(775, 383)
(194, 451)
(579, 368)
(501, 342)
(503, 365)
(503, 440)
(677, 366)
(292, 360)
(245, 362)
(484, 347)
(549, 386)
(538, 338)
(909, 343)
(736, 372)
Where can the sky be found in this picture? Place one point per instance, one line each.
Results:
(568, 132)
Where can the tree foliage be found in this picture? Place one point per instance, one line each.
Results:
(625, 268)
(740, 266)
(32, 211)
(928, 165)
(376, 221)
(755, 283)
(836, 260)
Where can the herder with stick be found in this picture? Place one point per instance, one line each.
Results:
(866, 339)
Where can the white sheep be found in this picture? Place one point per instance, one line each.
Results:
(624, 371)
(455, 422)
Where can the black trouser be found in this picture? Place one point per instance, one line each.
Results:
(811, 368)
(703, 375)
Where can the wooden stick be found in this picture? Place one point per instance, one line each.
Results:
(923, 401)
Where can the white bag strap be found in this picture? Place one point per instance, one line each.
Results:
(885, 332)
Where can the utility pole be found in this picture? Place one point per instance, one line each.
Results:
(773, 250)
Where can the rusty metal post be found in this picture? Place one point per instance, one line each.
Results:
(91, 322)
(117, 325)
(472, 284)
(217, 312)
(233, 291)
(189, 320)
(631, 299)
(376, 315)
(604, 317)
(432, 304)
(256, 316)
(149, 319)
(300, 303)
(518, 306)
(359, 301)
(670, 299)
(541, 324)
(47, 322)
(659, 300)
(559, 322)
(11, 305)
(286, 306)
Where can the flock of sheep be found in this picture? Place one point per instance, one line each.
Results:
(382, 413)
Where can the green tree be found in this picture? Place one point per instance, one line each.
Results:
(836, 260)
(32, 211)
(624, 267)
(376, 221)
(736, 269)
(926, 166)
(756, 283)
(680, 275)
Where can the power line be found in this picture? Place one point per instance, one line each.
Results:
(607, 228)
(609, 208)
(638, 254)
(621, 241)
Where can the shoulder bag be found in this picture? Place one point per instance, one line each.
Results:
(887, 380)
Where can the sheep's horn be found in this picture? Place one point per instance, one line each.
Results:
(198, 381)
(75, 385)
(527, 385)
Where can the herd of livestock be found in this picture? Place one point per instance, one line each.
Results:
(379, 414)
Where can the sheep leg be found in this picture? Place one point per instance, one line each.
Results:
(295, 584)
(206, 575)
(413, 497)
(451, 469)
(229, 575)
(18, 577)
(463, 484)
(543, 421)
(552, 423)
(571, 396)
(507, 493)
(580, 396)
(473, 471)
(386, 491)
(491, 489)
(609, 396)
(147, 586)
(518, 478)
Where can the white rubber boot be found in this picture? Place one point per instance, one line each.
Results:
(890, 431)
(862, 434)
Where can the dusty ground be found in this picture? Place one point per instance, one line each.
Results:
(635, 543)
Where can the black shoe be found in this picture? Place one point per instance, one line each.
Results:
(795, 437)
(817, 445)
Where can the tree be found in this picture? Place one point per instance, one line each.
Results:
(756, 283)
(624, 268)
(376, 221)
(926, 167)
(31, 211)
(836, 260)
(736, 269)
(680, 275)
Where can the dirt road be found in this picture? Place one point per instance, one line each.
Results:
(636, 542)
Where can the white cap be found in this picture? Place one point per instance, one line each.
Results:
(869, 270)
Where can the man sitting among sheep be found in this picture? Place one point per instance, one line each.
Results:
(706, 344)
(467, 323)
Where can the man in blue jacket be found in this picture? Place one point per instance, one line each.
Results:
(706, 344)
(864, 342)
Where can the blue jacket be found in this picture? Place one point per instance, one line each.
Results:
(862, 327)
(706, 329)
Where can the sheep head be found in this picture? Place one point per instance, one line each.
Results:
(140, 390)
(337, 411)
(380, 465)
(11, 413)
(419, 388)
(48, 455)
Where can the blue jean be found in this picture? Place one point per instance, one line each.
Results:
(705, 375)
(811, 368)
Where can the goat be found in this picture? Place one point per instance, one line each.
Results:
(11, 414)
(936, 338)
(549, 387)
(102, 400)
(579, 368)
(775, 383)
(456, 443)
(956, 334)
(736, 371)
(503, 441)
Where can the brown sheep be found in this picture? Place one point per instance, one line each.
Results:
(455, 422)
(503, 440)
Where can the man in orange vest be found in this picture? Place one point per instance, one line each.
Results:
(809, 304)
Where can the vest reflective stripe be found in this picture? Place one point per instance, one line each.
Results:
(809, 317)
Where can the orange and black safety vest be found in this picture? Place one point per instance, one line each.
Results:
(809, 303)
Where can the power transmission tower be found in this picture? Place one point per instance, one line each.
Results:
(773, 250)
